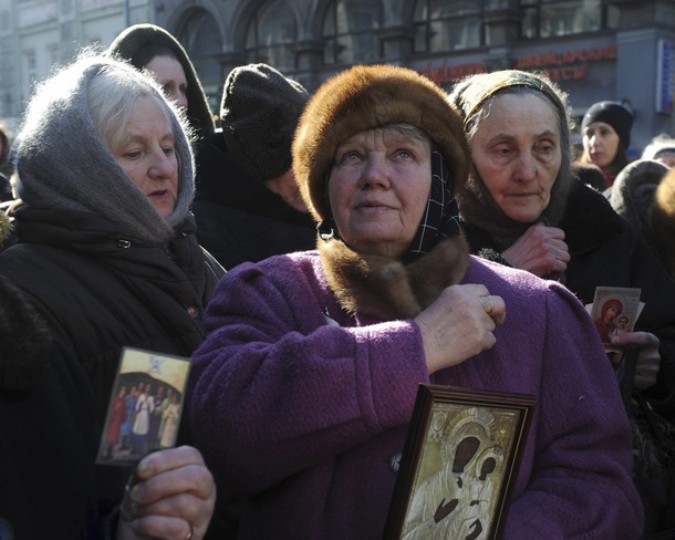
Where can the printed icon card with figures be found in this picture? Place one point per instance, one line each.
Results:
(459, 464)
(145, 407)
(614, 311)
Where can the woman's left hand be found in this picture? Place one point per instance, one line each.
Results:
(173, 498)
(648, 360)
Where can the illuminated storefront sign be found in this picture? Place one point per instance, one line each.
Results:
(560, 66)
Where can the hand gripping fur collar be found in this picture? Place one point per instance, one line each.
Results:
(369, 97)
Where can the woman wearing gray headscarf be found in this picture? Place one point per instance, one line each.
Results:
(107, 253)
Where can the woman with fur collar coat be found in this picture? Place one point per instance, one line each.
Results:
(304, 389)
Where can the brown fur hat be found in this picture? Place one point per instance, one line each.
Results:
(363, 98)
(662, 219)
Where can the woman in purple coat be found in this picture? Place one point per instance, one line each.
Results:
(302, 393)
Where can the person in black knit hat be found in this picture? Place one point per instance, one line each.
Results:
(247, 204)
(605, 131)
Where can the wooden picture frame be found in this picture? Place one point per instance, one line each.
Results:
(459, 464)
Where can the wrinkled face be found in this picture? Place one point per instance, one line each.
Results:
(601, 143)
(145, 152)
(378, 189)
(170, 75)
(516, 150)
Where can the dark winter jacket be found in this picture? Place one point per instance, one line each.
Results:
(606, 251)
(45, 403)
(238, 218)
(100, 290)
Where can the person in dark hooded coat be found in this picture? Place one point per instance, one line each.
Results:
(141, 44)
(247, 204)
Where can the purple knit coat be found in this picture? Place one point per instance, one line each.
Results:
(300, 408)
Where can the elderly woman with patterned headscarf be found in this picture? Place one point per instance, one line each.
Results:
(304, 390)
(523, 206)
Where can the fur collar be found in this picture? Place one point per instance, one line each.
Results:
(386, 288)
(5, 227)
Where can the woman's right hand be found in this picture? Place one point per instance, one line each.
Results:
(459, 325)
(541, 251)
(173, 498)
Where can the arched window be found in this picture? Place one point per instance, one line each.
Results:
(349, 32)
(201, 39)
(271, 35)
(552, 18)
(442, 25)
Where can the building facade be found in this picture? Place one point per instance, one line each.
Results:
(596, 49)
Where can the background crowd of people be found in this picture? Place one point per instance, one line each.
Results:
(318, 256)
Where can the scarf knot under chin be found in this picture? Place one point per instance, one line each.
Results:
(479, 210)
(387, 288)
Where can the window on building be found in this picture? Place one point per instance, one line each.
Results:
(349, 32)
(553, 18)
(5, 18)
(271, 35)
(447, 25)
(201, 39)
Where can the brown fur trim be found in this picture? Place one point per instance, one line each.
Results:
(5, 227)
(662, 219)
(385, 288)
(364, 98)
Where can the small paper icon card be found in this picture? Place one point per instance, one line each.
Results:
(145, 407)
(614, 311)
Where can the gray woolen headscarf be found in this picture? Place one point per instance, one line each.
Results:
(63, 162)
